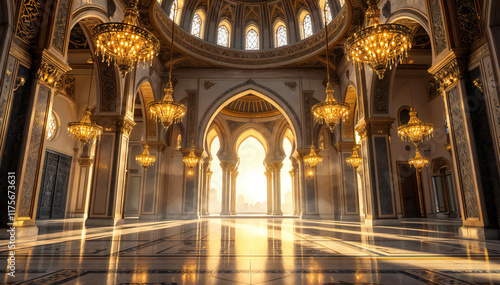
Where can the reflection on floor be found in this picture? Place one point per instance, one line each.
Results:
(254, 251)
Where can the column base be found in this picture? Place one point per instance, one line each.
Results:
(350, 218)
(233, 212)
(311, 216)
(103, 222)
(278, 213)
(225, 213)
(479, 233)
(205, 213)
(381, 222)
(27, 231)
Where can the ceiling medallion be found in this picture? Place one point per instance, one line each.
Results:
(418, 162)
(378, 45)
(145, 159)
(415, 131)
(355, 160)
(331, 111)
(85, 129)
(125, 43)
(191, 160)
(167, 110)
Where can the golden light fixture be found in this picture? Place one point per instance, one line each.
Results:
(415, 131)
(167, 110)
(145, 159)
(418, 162)
(378, 45)
(191, 160)
(313, 159)
(125, 43)
(355, 160)
(85, 129)
(331, 111)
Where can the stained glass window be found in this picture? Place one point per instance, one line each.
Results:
(281, 36)
(328, 12)
(196, 28)
(51, 132)
(307, 26)
(223, 36)
(173, 9)
(252, 40)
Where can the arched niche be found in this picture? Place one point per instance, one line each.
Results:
(351, 98)
(250, 130)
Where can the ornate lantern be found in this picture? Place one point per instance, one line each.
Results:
(84, 129)
(191, 160)
(145, 159)
(313, 159)
(355, 160)
(378, 45)
(415, 131)
(125, 43)
(331, 111)
(167, 110)
(418, 161)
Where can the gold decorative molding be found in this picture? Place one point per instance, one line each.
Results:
(126, 126)
(449, 70)
(208, 84)
(49, 69)
(374, 126)
(344, 146)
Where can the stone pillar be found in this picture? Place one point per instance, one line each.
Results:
(192, 187)
(308, 197)
(84, 178)
(23, 124)
(269, 179)
(106, 204)
(205, 186)
(349, 202)
(376, 153)
(276, 167)
(470, 123)
(226, 176)
(295, 187)
(234, 175)
(151, 183)
(207, 190)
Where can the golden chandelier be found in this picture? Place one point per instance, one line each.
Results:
(125, 43)
(378, 45)
(415, 131)
(145, 159)
(313, 159)
(355, 160)
(331, 111)
(418, 161)
(84, 129)
(167, 110)
(191, 160)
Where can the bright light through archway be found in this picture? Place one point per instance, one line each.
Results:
(251, 184)
(286, 180)
(215, 194)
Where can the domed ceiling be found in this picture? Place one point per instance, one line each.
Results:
(250, 106)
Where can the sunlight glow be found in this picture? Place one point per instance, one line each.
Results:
(215, 193)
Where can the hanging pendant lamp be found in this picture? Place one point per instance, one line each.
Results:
(355, 160)
(145, 159)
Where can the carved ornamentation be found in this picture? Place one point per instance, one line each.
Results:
(463, 156)
(438, 27)
(126, 127)
(60, 28)
(29, 21)
(77, 38)
(450, 73)
(208, 84)
(432, 91)
(48, 72)
(108, 87)
(291, 84)
(468, 22)
(66, 85)
(381, 94)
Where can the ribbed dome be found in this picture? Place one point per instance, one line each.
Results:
(250, 106)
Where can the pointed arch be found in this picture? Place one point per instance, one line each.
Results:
(224, 33)
(252, 35)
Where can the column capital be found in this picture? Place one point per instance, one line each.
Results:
(276, 165)
(226, 165)
(374, 126)
(125, 126)
(86, 161)
(344, 146)
(449, 69)
(49, 69)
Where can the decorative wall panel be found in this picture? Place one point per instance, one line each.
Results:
(60, 28)
(6, 92)
(29, 21)
(350, 190)
(438, 27)
(463, 153)
(384, 196)
(469, 29)
(33, 152)
(102, 172)
(108, 87)
(381, 94)
(150, 187)
(491, 89)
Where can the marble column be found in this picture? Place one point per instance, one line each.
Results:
(308, 197)
(84, 178)
(205, 187)
(23, 122)
(295, 187)
(207, 191)
(276, 167)
(226, 177)
(269, 179)
(234, 175)
(106, 204)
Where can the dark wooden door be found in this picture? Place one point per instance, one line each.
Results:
(409, 190)
(54, 187)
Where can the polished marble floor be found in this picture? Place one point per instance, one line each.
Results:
(253, 251)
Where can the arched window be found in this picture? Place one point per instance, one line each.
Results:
(173, 10)
(328, 12)
(196, 26)
(252, 39)
(51, 131)
(342, 2)
(223, 35)
(307, 26)
(280, 39)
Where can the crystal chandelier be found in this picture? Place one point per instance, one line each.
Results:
(331, 111)
(418, 162)
(145, 159)
(313, 159)
(378, 45)
(84, 129)
(191, 160)
(167, 110)
(415, 131)
(125, 43)
(355, 160)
